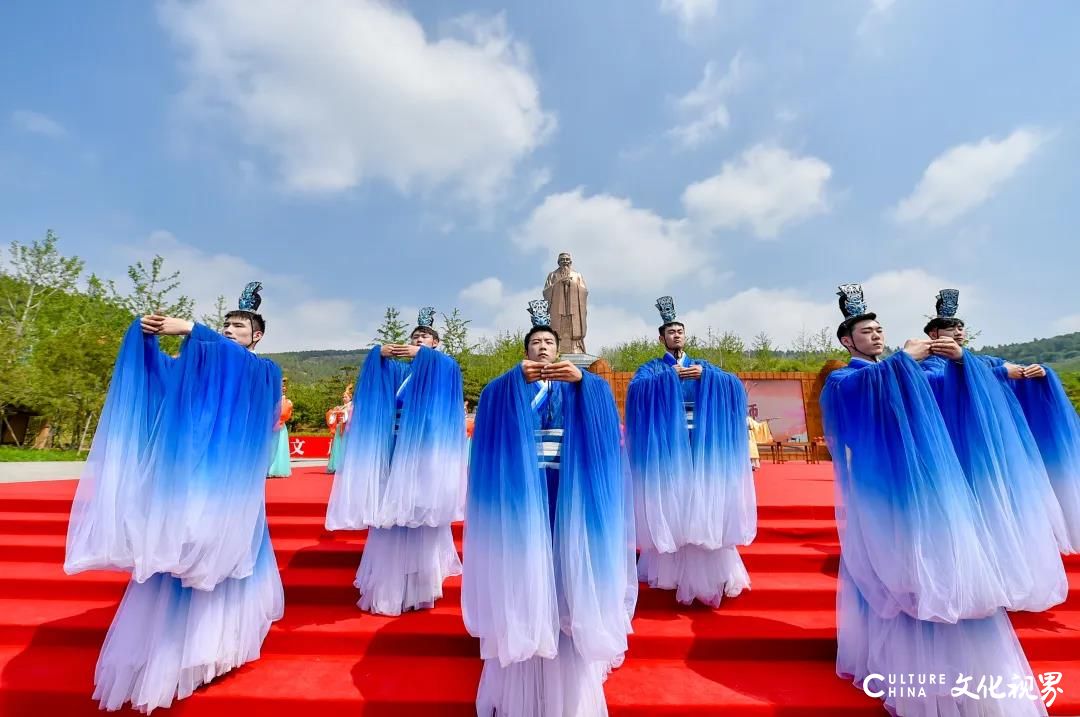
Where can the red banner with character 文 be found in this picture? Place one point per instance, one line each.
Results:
(310, 447)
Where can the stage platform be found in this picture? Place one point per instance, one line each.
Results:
(768, 652)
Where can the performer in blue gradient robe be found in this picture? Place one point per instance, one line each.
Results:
(919, 590)
(694, 497)
(1050, 416)
(402, 474)
(548, 585)
(173, 491)
(1002, 463)
(1056, 427)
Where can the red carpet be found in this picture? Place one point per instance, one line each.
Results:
(767, 652)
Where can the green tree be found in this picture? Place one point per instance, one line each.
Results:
(152, 289)
(392, 330)
(763, 352)
(629, 355)
(1070, 381)
(36, 274)
(216, 320)
(80, 335)
(39, 271)
(455, 334)
(492, 358)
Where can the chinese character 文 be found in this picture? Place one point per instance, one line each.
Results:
(298, 446)
(961, 689)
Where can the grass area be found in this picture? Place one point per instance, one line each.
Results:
(14, 454)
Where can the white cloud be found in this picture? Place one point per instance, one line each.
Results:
(37, 123)
(967, 175)
(705, 104)
(691, 12)
(1067, 324)
(498, 311)
(297, 316)
(781, 313)
(786, 115)
(876, 15)
(902, 298)
(766, 189)
(616, 246)
(342, 91)
(610, 325)
(539, 179)
(494, 310)
(486, 292)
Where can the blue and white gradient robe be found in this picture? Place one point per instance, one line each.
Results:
(1004, 470)
(173, 491)
(919, 589)
(694, 497)
(548, 584)
(402, 476)
(1056, 427)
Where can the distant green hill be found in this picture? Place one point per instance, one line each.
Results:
(1062, 352)
(311, 366)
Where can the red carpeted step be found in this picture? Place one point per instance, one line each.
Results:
(344, 550)
(804, 591)
(19, 523)
(688, 633)
(377, 685)
(317, 508)
(341, 552)
(768, 652)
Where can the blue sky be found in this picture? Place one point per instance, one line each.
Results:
(744, 157)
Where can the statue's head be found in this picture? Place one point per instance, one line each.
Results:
(565, 260)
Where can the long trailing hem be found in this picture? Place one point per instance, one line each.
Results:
(900, 646)
(403, 462)
(566, 685)
(691, 487)
(280, 466)
(167, 640)
(695, 573)
(404, 568)
(525, 579)
(175, 479)
(1010, 483)
(912, 538)
(1055, 426)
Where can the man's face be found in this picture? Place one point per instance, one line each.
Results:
(867, 338)
(674, 337)
(958, 333)
(423, 338)
(542, 347)
(565, 261)
(238, 329)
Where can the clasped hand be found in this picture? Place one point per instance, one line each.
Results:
(158, 325)
(690, 372)
(559, 371)
(399, 351)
